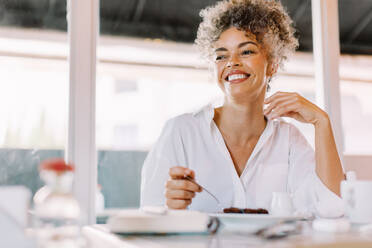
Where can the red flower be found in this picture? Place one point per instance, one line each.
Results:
(57, 165)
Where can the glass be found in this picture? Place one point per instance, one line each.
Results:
(143, 79)
(356, 106)
(133, 104)
(56, 210)
(33, 88)
(356, 114)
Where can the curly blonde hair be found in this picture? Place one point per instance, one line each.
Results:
(266, 19)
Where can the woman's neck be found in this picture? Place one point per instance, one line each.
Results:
(241, 122)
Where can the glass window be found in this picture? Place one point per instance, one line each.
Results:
(134, 100)
(33, 88)
(144, 78)
(355, 89)
(357, 116)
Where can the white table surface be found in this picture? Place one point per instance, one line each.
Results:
(99, 236)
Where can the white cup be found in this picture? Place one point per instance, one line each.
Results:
(281, 204)
(357, 196)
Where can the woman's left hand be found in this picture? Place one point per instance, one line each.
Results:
(285, 104)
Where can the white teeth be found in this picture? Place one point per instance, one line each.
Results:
(236, 76)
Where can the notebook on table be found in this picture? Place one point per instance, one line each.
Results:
(158, 220)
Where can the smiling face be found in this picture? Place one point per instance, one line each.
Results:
(241, 65)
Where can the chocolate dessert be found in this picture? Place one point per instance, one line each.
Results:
(245, 210)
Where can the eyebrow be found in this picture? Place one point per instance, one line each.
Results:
(239, 46)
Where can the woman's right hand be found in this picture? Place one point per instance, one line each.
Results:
(179, 191)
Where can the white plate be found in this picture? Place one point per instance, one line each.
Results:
(251, 222)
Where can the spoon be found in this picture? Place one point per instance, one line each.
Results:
(187, 177)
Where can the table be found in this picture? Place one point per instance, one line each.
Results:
(99, 236)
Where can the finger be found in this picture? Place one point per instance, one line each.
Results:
(274, 103)
(281, 94)
(179, 194)
(182, 185)
(179, 172)
(275, 95)
(273, 112)
(284, 109)
(177, 204)
(290, 114)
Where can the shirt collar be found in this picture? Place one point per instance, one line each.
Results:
(206, 114)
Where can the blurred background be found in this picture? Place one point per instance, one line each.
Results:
(148, 71)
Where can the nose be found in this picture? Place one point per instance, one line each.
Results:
(233, 61)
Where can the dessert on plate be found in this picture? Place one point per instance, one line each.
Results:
(245, 210)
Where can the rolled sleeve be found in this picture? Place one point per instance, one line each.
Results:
(308, 191)
(327, 204)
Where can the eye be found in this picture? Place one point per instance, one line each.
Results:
(247, 52)
(220, 57)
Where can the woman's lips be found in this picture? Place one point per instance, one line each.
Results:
(235, 78)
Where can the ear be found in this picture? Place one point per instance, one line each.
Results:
(271, 69)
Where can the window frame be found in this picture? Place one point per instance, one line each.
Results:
(83, 29)
(326, 53)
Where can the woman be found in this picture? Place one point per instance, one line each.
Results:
(240, 151)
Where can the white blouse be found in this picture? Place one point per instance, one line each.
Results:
(281, 161)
